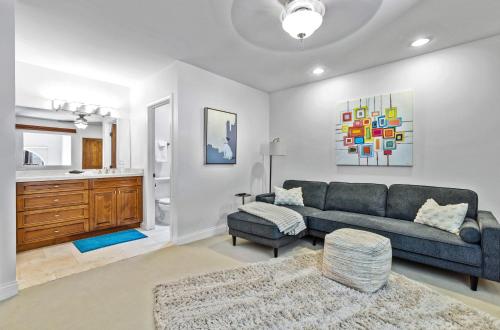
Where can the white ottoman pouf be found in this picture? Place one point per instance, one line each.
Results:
(358, 259)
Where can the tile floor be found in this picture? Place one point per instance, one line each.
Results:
(52, 262)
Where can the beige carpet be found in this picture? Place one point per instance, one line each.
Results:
(291, 293)
(120, 295)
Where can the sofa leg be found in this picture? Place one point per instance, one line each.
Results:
(473, 282)
(234, 240)
(276, 252)
(314, 241)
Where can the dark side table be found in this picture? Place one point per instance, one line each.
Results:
(243, 196)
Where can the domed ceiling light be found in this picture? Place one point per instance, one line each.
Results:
(300, 18)
(81, 122)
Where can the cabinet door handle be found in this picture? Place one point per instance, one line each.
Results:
(56, 231)
(56, 200)
(56, 186)
(56, 215)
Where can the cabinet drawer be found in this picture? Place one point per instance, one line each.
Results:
(52, 216)
(116, 182)
(34, 202)
(44, 233)
(51, 186)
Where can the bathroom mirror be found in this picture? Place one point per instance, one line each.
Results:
(47, 139)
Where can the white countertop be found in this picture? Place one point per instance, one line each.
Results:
(53, 175)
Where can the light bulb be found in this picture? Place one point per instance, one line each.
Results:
(420, 42)
(318, 71)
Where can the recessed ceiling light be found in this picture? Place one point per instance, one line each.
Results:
(318, 71)
(420, 42)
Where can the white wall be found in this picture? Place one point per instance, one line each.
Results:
(456, 121)
(8, 284)
(157, 87)
(37, 86)
(92, 131)
(202, 195)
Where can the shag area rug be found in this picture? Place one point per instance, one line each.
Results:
(291, 293)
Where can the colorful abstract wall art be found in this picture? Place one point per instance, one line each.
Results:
(376, 131)
(220, 137)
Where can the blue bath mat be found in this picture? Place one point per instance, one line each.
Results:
(98, 242)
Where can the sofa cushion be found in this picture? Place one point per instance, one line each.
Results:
(265, 198)
(305, 211)
(365, 198)
(313, 192)
(251, 224)
(404, 201)
(469, 232)
(254, 225)
(404, 235)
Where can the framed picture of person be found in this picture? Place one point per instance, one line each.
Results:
(221, 137)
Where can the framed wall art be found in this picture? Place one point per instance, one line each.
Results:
(221, 137)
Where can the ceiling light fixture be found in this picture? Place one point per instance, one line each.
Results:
(90, 108)
(301, 18)
(420, 42)
(81, 122)
(58, 104)
(74, 106)
(318, 71)
(85, 109)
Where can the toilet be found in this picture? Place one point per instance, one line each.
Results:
(163, 211)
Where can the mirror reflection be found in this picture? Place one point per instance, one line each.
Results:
(47, 139)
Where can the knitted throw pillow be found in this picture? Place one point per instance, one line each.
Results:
(448, 217)
(288, 197)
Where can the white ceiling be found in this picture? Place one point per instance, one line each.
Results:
(122, 41)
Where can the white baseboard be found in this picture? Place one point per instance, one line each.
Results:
(199, 235)
(8, 290)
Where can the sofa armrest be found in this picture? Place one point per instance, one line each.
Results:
(266, 198)
(490, 244)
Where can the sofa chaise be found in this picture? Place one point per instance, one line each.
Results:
(388, 212)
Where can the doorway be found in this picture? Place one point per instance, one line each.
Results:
(160, 167)
(91, 153)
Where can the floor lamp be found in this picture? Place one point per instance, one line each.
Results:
(276, 148)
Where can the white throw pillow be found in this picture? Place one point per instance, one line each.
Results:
(448, 217)
(288, 197)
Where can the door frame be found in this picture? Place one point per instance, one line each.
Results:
(149, 183)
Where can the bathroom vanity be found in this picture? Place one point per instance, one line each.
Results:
(54, 207)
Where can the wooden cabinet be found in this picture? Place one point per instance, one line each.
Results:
(129, 205)
(103, 205)
(52, 212)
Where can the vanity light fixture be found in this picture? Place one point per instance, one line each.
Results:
(91, 108)
(104, 111)
(58, 104)
(301, 18)
(74, 106)
(420, 42)
(81, 108)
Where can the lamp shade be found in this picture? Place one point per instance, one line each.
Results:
(277, 148)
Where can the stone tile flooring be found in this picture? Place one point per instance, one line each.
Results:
(52, 262)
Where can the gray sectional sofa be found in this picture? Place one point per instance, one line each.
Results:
(390, 213)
